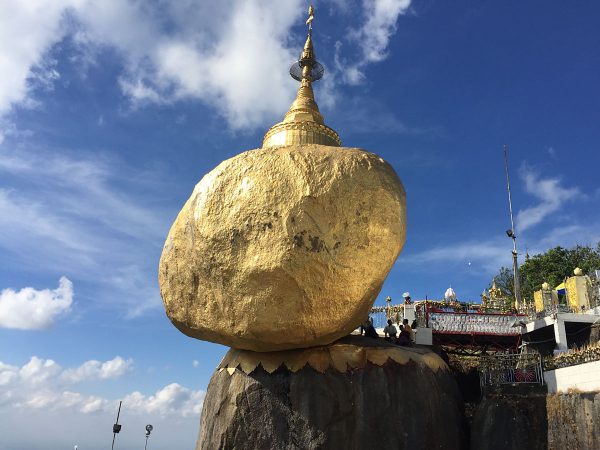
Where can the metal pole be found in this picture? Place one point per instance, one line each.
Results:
(116, 423)
(517, 284)
(146, 446)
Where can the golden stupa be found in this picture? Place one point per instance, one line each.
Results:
(288, 245)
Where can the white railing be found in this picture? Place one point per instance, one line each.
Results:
(473, 323)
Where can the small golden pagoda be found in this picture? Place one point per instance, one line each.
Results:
(494, 300)
(303, 123)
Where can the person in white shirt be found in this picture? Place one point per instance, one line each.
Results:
(390, 332)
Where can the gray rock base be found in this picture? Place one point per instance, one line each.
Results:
(392, 406)
(511, 418)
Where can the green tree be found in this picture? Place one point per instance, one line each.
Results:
(552, 267)
(505, 282)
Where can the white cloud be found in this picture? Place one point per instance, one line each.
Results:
(232, 55)
(372, 37)
(42, 384)
(28, 29)
(38, 372)
(380, 25)
(93, 369)
(195, 363)
(550, 193)
(172, 399)
(31, 309)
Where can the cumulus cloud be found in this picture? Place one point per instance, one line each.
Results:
(549, 192)
(172, 399)
(98, 370)
(31, 309)
(44, 384)
(231, 55)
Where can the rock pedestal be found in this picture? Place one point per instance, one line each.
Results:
(354, 394)
(511, 418)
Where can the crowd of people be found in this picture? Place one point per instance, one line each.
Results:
(405, 337)
(390, 332)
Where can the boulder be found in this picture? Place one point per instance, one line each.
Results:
(284, 247)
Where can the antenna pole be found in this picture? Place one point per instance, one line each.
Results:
(512, 234)
(116, 426)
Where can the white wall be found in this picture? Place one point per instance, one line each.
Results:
(583, 377)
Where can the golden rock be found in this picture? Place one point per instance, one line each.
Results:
(283, 247)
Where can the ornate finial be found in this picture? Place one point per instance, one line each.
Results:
(303, 123)
(311, 17)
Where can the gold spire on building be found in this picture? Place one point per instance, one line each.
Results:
(303, 123)
(495, 291)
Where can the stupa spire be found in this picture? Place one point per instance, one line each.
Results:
(303, 123)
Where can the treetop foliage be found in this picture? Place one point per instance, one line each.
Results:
(552, 267)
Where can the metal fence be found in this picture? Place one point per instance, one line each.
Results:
(550, 311)
(515, 368)
(381, 314)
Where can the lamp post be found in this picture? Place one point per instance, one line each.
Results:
(148, 431)
(116, 427)
(511, 234)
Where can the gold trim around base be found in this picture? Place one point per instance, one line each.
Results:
(339, 356)
(300, 133)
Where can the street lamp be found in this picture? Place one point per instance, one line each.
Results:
(149, 429)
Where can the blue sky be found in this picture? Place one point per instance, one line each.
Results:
(111, 112)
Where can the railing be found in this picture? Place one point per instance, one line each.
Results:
(574, 357)
(463, 323)
(550, 311)
(501, 369)
(379, 316)
(442, 317)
